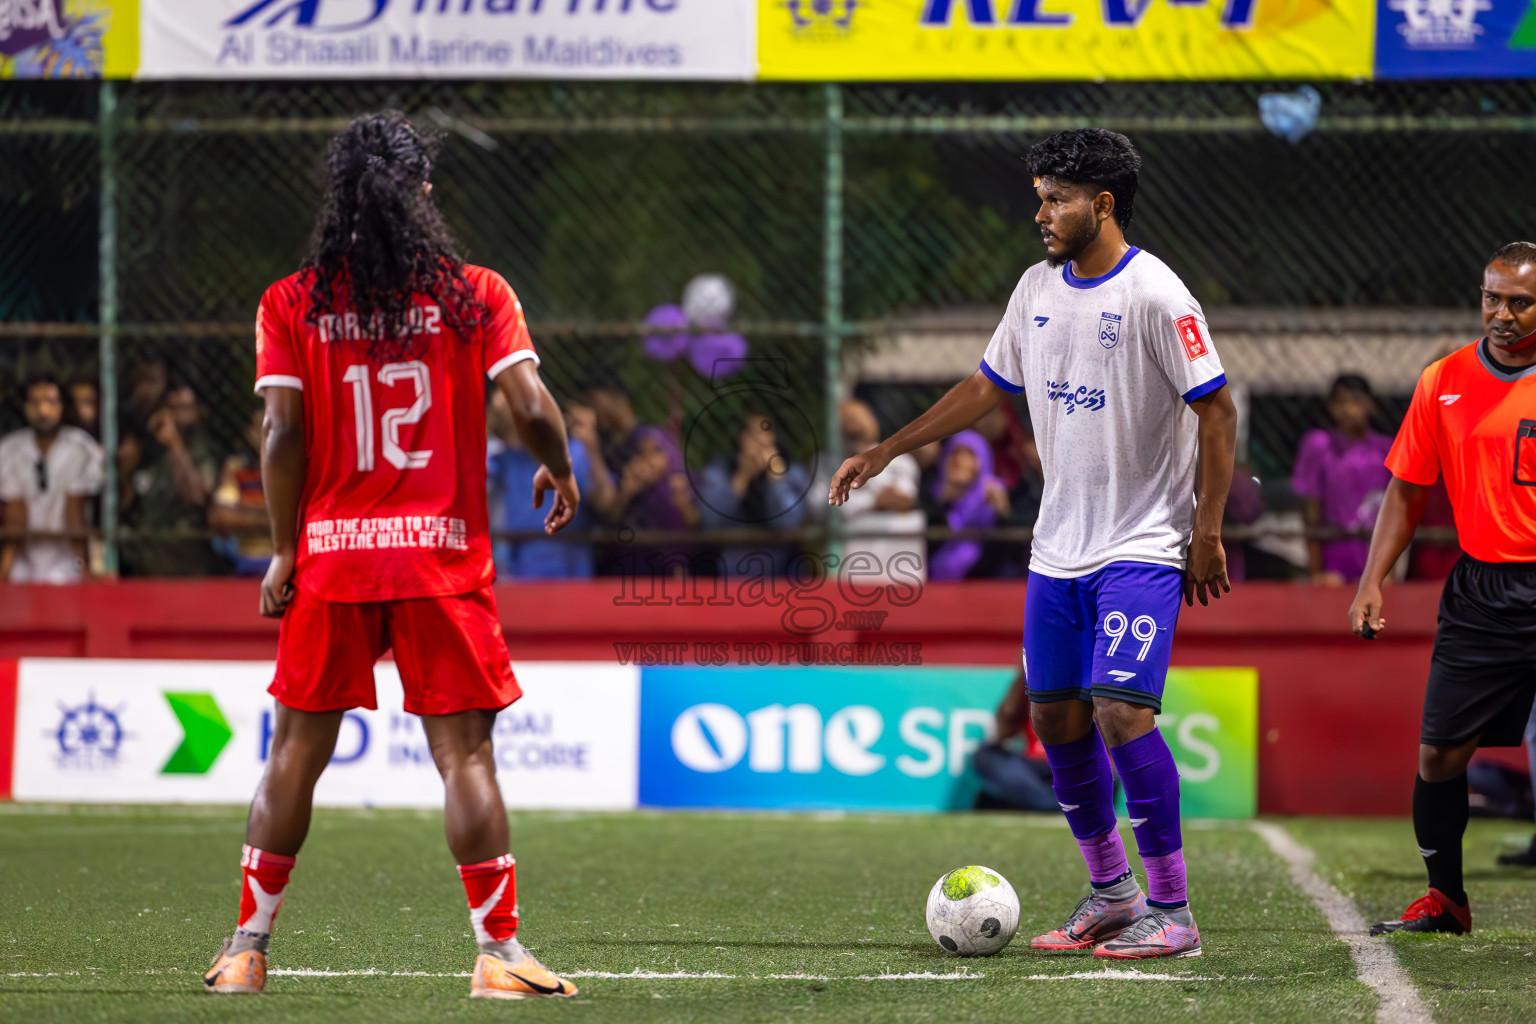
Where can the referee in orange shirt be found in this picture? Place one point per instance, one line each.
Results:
(1473, 419)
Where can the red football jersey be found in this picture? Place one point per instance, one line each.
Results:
(394, 502)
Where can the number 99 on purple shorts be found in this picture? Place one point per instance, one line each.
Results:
(1107, 634)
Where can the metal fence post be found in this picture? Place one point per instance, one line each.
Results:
(107, 315)
(833, 314)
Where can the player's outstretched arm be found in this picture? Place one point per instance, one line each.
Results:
(1206, 571)
(1401, 509)
(965, 403)
(539, 424)
(282, 482)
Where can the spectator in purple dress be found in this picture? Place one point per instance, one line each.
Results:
(971, 498)
(652, 490)
(1339, 471)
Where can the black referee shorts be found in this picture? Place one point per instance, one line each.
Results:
(1482, 677)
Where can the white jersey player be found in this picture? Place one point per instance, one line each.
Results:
(1130, 409)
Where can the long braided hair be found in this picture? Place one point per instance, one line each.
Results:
(379, 240)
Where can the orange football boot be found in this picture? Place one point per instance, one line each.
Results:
(241, 973)
(526, 978)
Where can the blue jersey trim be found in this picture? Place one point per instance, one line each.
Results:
(1201, 390)
(1000, 380)
(1093, 282)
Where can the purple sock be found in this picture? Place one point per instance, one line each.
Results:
(1152, 801)
(1085, 788)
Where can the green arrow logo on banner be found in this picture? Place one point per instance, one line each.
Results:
(206, 734)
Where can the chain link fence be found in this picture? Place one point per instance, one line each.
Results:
(871, 233)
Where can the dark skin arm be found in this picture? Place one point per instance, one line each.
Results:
(541, 428)
(283, 462)
(1206, 571)
(1401, 509)
(965, 403)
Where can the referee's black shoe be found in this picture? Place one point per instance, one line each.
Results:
(1526, 858)
(1432, 912)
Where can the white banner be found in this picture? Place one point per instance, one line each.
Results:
(200, 732)
(678, 39)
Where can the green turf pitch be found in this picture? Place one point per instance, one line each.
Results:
(112, 914)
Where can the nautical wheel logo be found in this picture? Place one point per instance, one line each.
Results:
(89, 735)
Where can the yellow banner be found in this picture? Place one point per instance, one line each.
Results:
(69, 38)
(1064, 40)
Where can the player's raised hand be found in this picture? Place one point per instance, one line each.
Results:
(1206, 574)
(1365, 619)
(567, 498)
(277, 585)
(856, 472)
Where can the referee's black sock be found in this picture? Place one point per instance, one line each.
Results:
(1440, 813)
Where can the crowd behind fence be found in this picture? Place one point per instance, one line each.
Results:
(870, 236)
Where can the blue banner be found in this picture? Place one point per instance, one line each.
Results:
(1456, 39)
(897, 739)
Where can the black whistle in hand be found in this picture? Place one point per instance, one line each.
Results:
(1366, 632)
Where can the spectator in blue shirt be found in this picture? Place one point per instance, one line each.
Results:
(509, 472)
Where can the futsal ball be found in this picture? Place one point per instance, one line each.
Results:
(972, 911)
(709, 300)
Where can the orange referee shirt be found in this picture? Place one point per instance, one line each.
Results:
(1476, 423)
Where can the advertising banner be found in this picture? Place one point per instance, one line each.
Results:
(897, 738)
(625, 39)
(69, 38)
(1066, 40)
(1464, 39)
(200, 732)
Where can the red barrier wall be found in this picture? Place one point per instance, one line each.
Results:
(1338, 717)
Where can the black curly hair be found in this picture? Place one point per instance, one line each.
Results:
(379, 240)
(1092, 156)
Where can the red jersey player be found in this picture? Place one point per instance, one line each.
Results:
(373, 461)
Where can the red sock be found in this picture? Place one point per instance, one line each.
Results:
(266, 876)
(492, 889)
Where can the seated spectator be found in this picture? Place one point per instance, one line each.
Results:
(48, 473)
(1012, 768)
(652, 491)
(758, 487)
(970, 498)
(167, 483)
(239, 508)
(1339, 471)
(85, 405)
(883, 519)
(510, 473)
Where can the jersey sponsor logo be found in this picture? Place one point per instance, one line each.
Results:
(1138, 822)
(1083, 397)
(1041, 321)
(1120, 675)
(1109, 329)
(1448, 399)
(1189, 334)
(1525, 454)
(1068, 807)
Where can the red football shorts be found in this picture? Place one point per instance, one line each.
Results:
(449, 650)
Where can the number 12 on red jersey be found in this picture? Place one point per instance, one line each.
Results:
(391, 420)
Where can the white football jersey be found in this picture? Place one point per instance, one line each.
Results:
(1108, 365)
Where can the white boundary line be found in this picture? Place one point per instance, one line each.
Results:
(1108, 974)
(1399, 1001)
